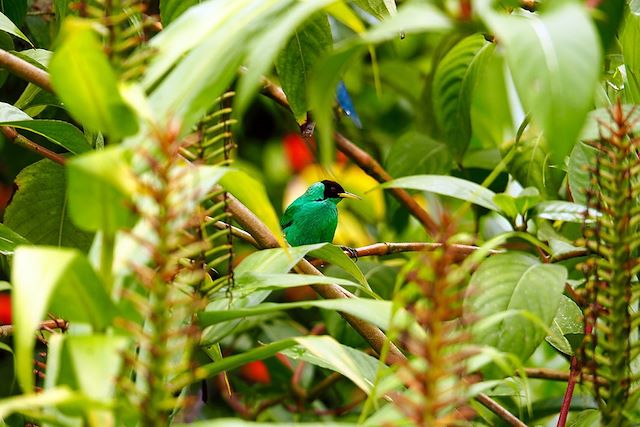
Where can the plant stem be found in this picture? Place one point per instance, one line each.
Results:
(13, 136)
(568, 395)
(499, 410)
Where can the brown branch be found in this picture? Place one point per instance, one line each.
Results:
(360, 157)
(265, 239)
(7, 330)
(13, 136)
(499, 410)
(546, 374)
(460, 252)
(25, 70)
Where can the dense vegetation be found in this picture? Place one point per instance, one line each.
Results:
(148, 148)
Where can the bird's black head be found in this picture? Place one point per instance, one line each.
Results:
(332, 190)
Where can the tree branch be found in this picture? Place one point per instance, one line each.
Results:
(360, 157)
(265, 239)
(25, 70)
(13, 136)
(460, 252)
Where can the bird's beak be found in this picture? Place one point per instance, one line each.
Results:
(346, 195)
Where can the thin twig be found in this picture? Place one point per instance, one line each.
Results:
(360, 157)
(460, 252)
(221, 225)
(7, 330)
(22, 141)
(265, 239)
(546, 373)
(499, 410)
(25, 70)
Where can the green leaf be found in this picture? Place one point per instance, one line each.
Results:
(9, 239)
(381, 9)
(518, 282)
(253, 195)
(447, 186)
(57, 280)
(9, 27)
(100, 186)
(9, 113)
(453, 86)
(61, 133)
(171, 9)
(326, 352)
(414, 153)
(263, 50)
(558, 210)
(555, 58)
(95, 362)
(31, 401)
(567, 329)
(530, 164)
(38, 210)
(581, 157)
(249, 282)
(86, 83)
(297, 59)
(373, 311)
(413, 17)
(491, 118)
(629, 41)
(517, 205)
(587, 418)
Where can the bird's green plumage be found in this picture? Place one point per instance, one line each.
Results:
(312, 217)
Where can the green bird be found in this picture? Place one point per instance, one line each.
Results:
(313, 217)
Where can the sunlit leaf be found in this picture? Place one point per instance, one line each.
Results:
(555, 58)
(86, 83)
(9, 27)
(57, 280)
(9, 240)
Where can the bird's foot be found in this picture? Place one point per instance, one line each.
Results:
(351, 252)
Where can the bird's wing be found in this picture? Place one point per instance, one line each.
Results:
(289, 213)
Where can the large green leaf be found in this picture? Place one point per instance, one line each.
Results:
(9, 27)
(57, 280)
(516, 282)
(196, 70)
(38, 210)
(414, 153)
(582, 156)
(263, 50)
(100, 186)
(555, 58)
(373, 311)
(86, 83)
(447, 186)
(299, 56)
(9, 240)
(453, 85)
(61, 133)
